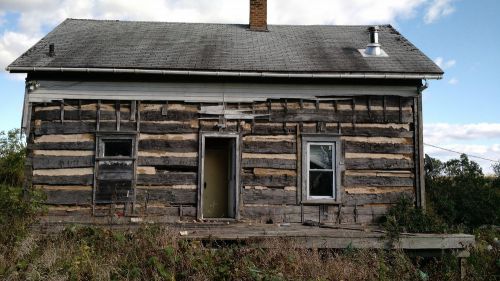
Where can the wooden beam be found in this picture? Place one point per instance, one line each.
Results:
(62, 111)
(118, 115)
(164, 109)
(79, 109)
(98, 116)
(133, 110)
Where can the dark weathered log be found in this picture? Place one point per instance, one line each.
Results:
(365, 147)
(342, 116)
(167, 196)
(55, 115)
(169, 213)
(58, 128)
(63, 180)
(169, 161)
(177, 115)
(268, 180)
(212, 127)
(168, 178)
(275, 213)
(125, 126)
(351, 180)
(68, 197)
(115, 176)
(377, 164)
(361, 131)
(269, 196)
(268, 163)
(282, 147)
(86, 145)
(261, 128)
(155, 128)
(169, 145)
(58, 162)
(379, 198)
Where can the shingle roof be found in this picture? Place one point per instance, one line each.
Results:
(223, 47)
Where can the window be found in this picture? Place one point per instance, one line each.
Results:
(321, 171)
(117, 147)
(320, 168)
(115, 168)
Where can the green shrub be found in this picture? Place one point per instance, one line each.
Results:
(16, 213)
(12, 157)
(404, 217)
(460, 194)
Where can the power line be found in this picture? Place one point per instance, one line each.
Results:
(458, 152)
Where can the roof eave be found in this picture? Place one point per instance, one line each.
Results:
(337, 75)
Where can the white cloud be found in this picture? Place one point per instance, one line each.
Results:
(340, 11)
(438, 133)
(12, 44)
(438, 9)
(481, 139)
(453, 81)
(445, 64)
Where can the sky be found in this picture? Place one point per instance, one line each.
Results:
(461, 111)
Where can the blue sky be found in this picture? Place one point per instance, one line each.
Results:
(461, 112)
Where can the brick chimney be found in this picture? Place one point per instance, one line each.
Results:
(258, 15)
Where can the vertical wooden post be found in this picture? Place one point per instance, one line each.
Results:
(353, 113)
(118, 114)
(62, 111)
(462, 265)
(384, 102)
(98, 116)
(133, 108)
(164, 109)
(400, 110)
(269, 108)
(138, 124)
(369, 106)
(80, 110)
(299, 164)
(253, 119)
(421, 172)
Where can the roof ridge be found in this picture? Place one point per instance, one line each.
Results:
(221, 23)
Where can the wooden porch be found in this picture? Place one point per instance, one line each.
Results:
(325, 236)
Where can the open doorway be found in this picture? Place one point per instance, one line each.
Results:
(219, 177)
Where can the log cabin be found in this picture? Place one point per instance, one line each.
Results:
(131, 121)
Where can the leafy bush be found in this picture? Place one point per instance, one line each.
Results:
(12, 157)
(404, 217)
(460, 194)
(16, 213)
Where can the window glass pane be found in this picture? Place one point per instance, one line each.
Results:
(117, 148)
(320, 156)
(321, 183)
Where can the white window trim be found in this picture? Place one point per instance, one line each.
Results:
(332, 170)
(329, 139)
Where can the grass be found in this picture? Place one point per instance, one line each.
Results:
(152, 253)
(158, 253)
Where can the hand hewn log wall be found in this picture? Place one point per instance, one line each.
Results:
(377, 151)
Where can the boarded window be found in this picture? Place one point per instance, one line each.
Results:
(115, 169)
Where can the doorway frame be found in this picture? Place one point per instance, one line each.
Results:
(201, 170)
